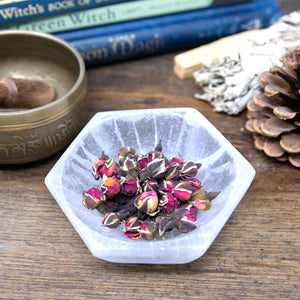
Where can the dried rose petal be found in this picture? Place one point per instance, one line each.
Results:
(92, 198)
(111, 186)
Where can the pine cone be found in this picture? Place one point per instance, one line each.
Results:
(274, 112)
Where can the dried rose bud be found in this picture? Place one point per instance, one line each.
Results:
(129, 164)
(150, 185)
(92, 198)
(189, 221)
(104, 166)
(168, 203)
(166, 186)
(156, 153)
(111, 186)
(195, 183)
(165, 224)
(189, 169)
(129, 186)
(142, 162)
(148, 230)
(131, 228)
(132, 235)
(183, 191)
(199, 195)
(176, 160)
(126, 152)
(203, 204)
(156, 168)
(111, 220)
(132, 224)
(147, 202)
(172, 172)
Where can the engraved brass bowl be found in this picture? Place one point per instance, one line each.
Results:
(28, 135)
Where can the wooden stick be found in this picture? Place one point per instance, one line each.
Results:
(185, 64)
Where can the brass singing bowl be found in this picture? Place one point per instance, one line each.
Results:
(28, 135)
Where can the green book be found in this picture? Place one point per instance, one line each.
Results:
(116, 13)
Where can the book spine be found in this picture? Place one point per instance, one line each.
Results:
(140, 42)
(117, 13)
(180, 18)
(17, 11)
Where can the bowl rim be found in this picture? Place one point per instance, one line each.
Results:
(79, 81)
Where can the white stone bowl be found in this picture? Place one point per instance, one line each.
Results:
(184, 132)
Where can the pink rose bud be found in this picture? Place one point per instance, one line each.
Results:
(148, 230)
(132, 235)
(111, 187)
(150, 185)
(156, 168)
(183, 191)
(147, 202)
(195, 183)
(92, 198)
(130, 186)
(129, 164)
(202, 204)
(142, 162)
(189, 169)
(111, 220)
(166, 186)
(104, 166)
(132, 226)
(168, 203)
(126, 152)
(172, 172)
(176, 160)
(189, 221)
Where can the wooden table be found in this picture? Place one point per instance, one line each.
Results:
(256, 255)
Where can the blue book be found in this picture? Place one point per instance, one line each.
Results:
(123, 41)
(21, 10)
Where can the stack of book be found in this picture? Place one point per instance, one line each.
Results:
(105, 31)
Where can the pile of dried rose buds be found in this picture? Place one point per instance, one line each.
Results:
(150, 194)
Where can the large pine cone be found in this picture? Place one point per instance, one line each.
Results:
(274, 113)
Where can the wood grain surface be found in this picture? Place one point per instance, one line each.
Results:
(255, 256)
